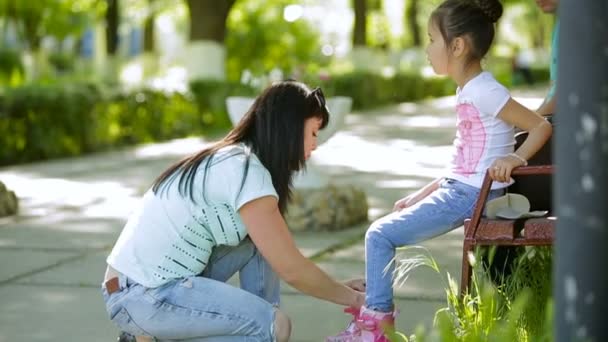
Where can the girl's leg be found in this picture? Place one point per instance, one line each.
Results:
(442, 211)
(256, 276)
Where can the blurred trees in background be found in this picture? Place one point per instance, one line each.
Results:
(255, 34)
(259, 40)
(208, 19)
(83, 75)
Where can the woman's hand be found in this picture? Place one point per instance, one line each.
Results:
(261, 216)
(501, 168)
(356, 284)
(359, 300)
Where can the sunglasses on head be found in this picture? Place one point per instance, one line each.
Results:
(318, 94)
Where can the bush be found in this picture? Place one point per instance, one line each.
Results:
(62, 62)
(146, 116)
(518, 308)
(370, 90)
(43, 121)
(11, 67)
(40, 122)
(210, 96)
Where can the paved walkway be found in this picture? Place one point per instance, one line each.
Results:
(72, 210)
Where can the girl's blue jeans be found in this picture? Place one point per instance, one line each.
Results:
(203, 308)
(442, 211)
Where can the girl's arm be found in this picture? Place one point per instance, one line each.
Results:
(270, 234)
(539, 131)
(417, 196)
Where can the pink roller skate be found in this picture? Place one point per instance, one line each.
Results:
(367, 326)
(352, 333)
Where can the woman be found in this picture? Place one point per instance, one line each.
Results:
(217, 212)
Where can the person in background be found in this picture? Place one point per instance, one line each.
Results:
(547, 108)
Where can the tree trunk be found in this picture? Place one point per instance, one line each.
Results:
(149, 33)
(411, 15)
(580, 286)
(208, 19)
(360, 29)
(207, 33)
(112, 22)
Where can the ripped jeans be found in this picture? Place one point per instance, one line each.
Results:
(203, 308)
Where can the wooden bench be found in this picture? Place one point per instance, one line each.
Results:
(534, 182)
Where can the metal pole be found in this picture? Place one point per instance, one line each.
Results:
(581, 155)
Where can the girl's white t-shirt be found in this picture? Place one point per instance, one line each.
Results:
(481, 136)
(170, 236)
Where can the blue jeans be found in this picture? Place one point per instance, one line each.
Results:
(203, 308)
(442, 211)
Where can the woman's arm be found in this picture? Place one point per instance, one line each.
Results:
(539, 131)
(270, 234)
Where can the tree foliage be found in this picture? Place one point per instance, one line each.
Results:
(56, 18)
(259, 39)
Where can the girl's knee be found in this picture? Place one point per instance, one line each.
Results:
(375, 231)
(383, 233)
(282, 326)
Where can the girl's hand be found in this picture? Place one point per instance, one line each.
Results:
(501, 168)
(408, 201)
(405, 202)
(417, 196)
(356, 284)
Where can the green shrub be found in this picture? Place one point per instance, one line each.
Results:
(518, 308)
(146, 116)
(370, 90)
(46, 121)
(62, 62)
(71, 117)
(540, 75)
(43, 121)
(11, 67)
(210, 97)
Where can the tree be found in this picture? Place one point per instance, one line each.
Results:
(259, 39)
(206, 36)
(60, 19)
(208, 19)
(112, 23)
(411, 18)
(149, 29)
(360, 27)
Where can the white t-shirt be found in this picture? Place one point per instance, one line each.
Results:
(481, 136)
(170, 236)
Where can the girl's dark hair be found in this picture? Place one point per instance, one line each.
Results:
(468, 18)
(272, 129)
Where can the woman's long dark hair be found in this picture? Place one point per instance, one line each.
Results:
(272, 129)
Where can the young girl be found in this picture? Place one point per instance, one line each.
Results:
(460, 32)
(215, 213)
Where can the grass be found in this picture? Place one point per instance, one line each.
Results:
(513, 304)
